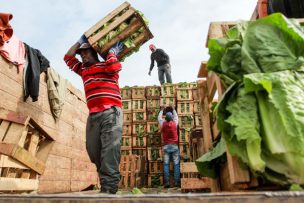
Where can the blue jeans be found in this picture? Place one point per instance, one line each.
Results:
(171, 150)
(164, 70)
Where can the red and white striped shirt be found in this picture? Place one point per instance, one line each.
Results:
(100, 82)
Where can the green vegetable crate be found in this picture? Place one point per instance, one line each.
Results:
(125, 150)
(185, 107)
(184, 134)
(168, 101)
(138, 92)
(154, 140)
(126, 93)
(153, 103)
(139, 104)
(139, 141)
(127, 105)
(198, 120)
(127, 117)
(152, 115)
(184, 150)
(127, 129)
(126, 141)
(139, 129)
(153, 92)
(139, 116)
(183, 94)
(155, 180)
(152, 127)
(141, 151)
(196, 107)
(155, 153)
(123, 24)
(168, 90)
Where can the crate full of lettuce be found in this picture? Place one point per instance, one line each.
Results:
(123, 24)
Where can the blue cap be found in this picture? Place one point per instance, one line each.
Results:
(168, 116)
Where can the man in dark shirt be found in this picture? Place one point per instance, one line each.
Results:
(163, 64)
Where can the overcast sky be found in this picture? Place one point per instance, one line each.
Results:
(179, 27)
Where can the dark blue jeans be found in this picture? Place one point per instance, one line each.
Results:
(171, 151)
(104, 131)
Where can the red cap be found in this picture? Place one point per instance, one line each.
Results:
(152, 46)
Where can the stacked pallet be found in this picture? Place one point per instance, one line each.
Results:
(131, 167)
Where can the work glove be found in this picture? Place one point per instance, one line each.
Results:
(117, 48)
(82, 40)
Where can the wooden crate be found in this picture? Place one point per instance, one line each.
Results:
(155, 153)
(195, 94)
(126, 141)
(24, 149)
(156, 167)
(186, 121)
(127, 105)
(167, 101)
(198, 120)
(126, 93)
(196, 107)
(191, 180)
(141, 151)
(168, 90)
(127, 129)
(139, 116)
(184, 94)
(127, 117)
(155, 180)
(139, 129)
(184, 150)
(139, 104)
(131, 163)
(184, 134)
(153, 103)
(121, 15)
(152, 115)
(125, 150)
(138, 93)
(185, 107)
(127, 180)
(152, 127)
(154, 140)
(139, 141)
(153, 92)
(196, 143)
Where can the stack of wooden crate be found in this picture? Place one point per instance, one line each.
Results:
(24, 149)
(126, 142)
(131, 170)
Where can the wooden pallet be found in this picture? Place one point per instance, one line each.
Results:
(123, 14)
(130, 169)
(191, 180)
(184, 94)
(155, 153)
(126, 93)
(139, 93)
(139, 116)
(24, 149)
(153, 92)
(139, 104)
(127, 105)
(156, 167)
(139, 141)
(185, 107)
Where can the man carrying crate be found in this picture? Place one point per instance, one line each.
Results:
(170, 141)
(163, 63)
(104, 123)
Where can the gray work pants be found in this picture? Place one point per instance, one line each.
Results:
(103, 136)
(162, 71)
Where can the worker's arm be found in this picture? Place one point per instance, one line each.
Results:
(151, 65)
(160, 118)
(73, 63)
(175, 117)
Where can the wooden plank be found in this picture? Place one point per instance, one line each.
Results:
(7, 162)
(18, 184)
(211, 86)
(20, 154)
(215, 131)
(44, 149)
(195, 183)
(33, 143)
(3, 129)
(115, 12)
(188, 167)
(13, 117)
(111, 26)
(236, 173)
(203, 73)
(14, 133)
(23, 137)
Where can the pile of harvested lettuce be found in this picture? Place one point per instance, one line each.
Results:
(261, 115)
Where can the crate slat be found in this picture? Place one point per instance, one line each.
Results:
(153, 127)
(156, 167)
(139, 141)
(139, 116)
